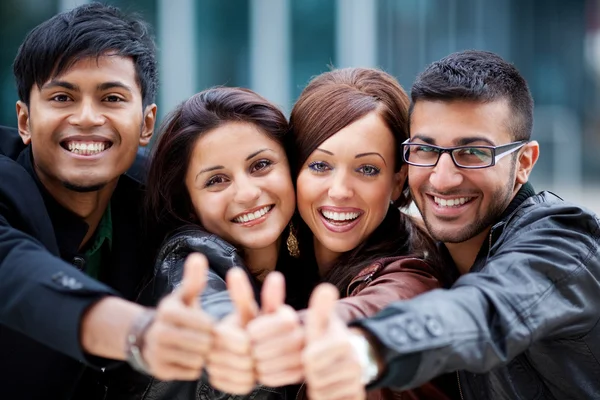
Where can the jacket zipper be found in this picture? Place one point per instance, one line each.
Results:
(459, 388)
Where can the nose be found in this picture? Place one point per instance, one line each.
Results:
(246, 191)
(340, 188)
(87, 115)
(445, 175)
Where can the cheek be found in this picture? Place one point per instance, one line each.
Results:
(378, 199)
(304, 193)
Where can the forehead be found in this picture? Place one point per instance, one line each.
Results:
(367, 133)
(92, 70)
(233, 138)
(448, 123)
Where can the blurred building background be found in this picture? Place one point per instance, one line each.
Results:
(275, 46)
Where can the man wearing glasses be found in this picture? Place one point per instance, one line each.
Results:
(521, 320)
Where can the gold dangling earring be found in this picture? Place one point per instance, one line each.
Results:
(292, 243)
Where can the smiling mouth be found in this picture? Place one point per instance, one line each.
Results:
(457, 202)
(251, 216)
(85, 148)
(339, 218)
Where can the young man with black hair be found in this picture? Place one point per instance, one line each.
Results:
(71, 259)
(521, 320)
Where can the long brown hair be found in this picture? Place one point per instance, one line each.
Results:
(168, 205)
(330, 102)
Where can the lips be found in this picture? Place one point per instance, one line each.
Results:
(86, 145)
(340, 220)
(253, 214)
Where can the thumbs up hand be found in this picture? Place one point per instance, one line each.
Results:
(277, 337)
(230, 365)
(176, 343)
(331, 366)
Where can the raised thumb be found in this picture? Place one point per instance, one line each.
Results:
(195, 271)
(272, 294)
(321, 307)
(242, 295)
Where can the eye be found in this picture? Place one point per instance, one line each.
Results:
(113, 99)
(261, 165)
(369, 170)
(425, 149)
(61, 98)
(215, 180)
(319, 166)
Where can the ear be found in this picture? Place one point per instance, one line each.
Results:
(527, 159)
(148, 125)
(23, 122)
(399, 181)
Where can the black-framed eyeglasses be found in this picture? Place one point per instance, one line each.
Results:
(472, 157)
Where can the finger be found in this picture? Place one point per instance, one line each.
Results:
(242, 295)
(282, 378)
(265, 328)
(231, 338)
(341, 390)
(173, 313)
(234, 363)
(183, 339)
(321, 307)
(177, 357)
(273, 292)
(343, 371)
(175, 372)
(279, 364)
(194, 279)
(287, 344)
(320, 356)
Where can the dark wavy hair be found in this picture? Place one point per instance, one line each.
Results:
(168, 205)
(330, 102)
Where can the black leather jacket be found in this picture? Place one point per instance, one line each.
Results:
(523, 324)
(215, 301)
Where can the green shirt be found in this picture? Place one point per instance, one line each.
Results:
(101, 246)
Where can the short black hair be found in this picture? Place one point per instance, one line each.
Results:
(90, 30)
(479, 76)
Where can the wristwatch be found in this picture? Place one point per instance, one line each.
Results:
(366, 357)
(135, 341)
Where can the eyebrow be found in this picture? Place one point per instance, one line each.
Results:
(358, 155)
(73, 87)
(112, 85)
(209, 169)
(460, 142)
(325, 151)
(257, 153)
(371, 154)
(62, 84)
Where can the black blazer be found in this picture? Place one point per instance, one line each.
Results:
(43, 289)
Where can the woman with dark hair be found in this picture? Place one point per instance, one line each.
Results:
(347, 127)
(219, 183)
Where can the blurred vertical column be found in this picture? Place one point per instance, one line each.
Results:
(270, 50)
(64, 5)
(177, 52)
(356, 33)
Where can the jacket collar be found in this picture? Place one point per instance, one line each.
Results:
(69, 228)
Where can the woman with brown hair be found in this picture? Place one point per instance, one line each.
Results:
(219, 184)
(347, 127)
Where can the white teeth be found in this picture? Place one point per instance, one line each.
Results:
(451, 202)
(87, 148)
(340, 216)
(252, 216)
